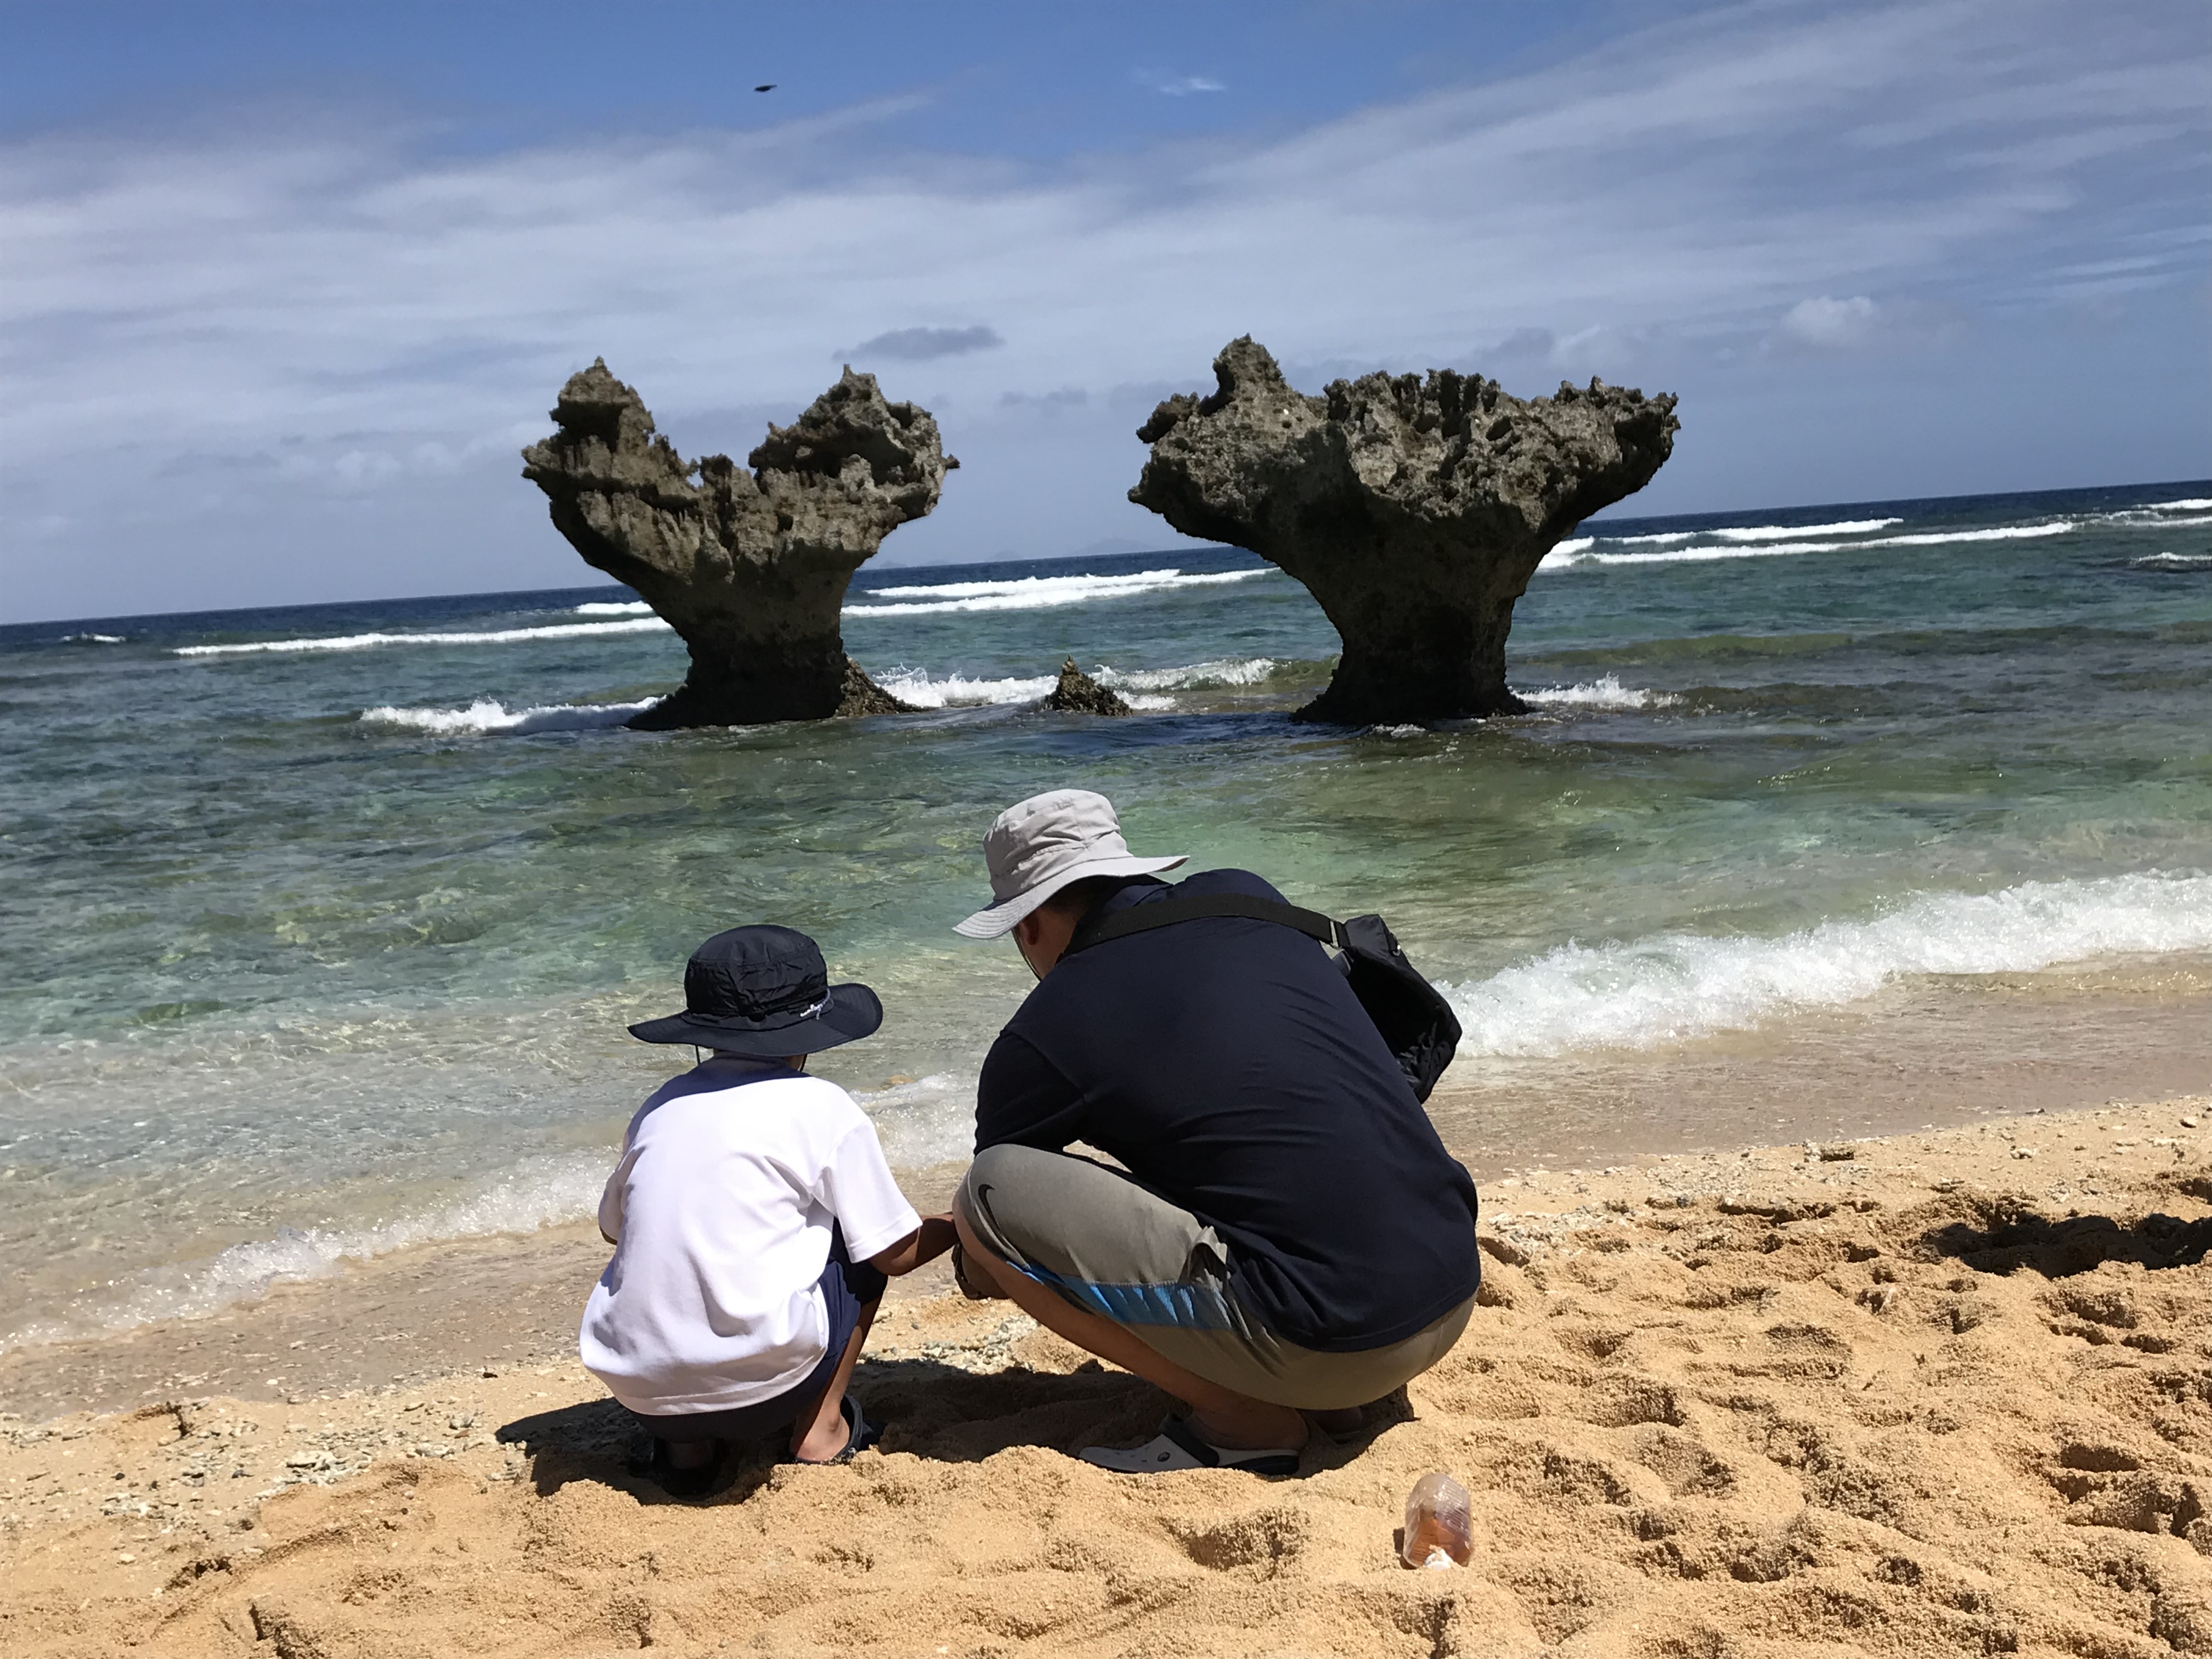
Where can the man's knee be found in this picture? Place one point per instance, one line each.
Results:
(977, 1260)
(994, 1167)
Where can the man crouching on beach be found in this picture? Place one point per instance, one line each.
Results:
(1290, 1238)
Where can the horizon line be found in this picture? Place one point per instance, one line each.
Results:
(1708, 520)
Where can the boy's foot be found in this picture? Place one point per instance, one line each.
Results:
(859, 1435)
(1180, 1446)
(686, 1468)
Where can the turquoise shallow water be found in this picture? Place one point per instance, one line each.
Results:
(323, 924)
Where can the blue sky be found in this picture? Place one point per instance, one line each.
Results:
(284, 286)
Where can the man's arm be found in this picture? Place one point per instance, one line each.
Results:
(1023, 1100)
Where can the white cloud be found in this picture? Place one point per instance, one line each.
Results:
(1834, 324)
(1179, 85)
(402, 309)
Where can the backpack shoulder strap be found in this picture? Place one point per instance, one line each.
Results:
(1165, 913)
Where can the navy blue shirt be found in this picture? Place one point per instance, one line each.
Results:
(1227, 1065)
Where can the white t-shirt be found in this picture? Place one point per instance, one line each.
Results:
(722, 1205)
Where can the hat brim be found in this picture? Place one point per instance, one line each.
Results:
(849, 1013)
(999, 919)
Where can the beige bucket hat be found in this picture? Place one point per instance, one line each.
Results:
(1037, 846)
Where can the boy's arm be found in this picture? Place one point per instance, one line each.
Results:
(926, 1243)
(610, 1202)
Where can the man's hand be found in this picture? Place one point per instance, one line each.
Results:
(926, 1243)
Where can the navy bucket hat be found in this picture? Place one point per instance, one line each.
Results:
(764, 991)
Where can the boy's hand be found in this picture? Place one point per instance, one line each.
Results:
(926, 1243)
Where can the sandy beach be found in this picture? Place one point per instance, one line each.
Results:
(1936, 1393)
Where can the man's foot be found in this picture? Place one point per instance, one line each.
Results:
(1339, 1422)
(1179, 1445)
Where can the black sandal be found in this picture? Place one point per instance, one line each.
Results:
(859, 1436)
(695, 1482)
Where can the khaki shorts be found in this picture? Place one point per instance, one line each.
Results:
(1109, 1247)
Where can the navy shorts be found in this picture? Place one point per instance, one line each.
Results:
(847, 1287)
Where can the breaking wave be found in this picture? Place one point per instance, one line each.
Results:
(926, 691)
(1676, 986)
(1763, 532)
(488, 636)
(94, 639)
(615, 608)
(2173, 562)
(1140, 687)
(1783, 549)
(1605, 692)
(931, 1120)
(484, 716)
(1033, 592)
(1223, 671)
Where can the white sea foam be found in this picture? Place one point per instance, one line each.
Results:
(2189, 504)
(2009, 532)
(1786, 550)
(489, 636)
(1221, 672)
(2149, 521)
(926, 691)
(1676, 986)
(94, 639)
(615, 608)
(1763, 532)
(1139, 687)
(1605, 692)
(1033, 592)
(929, 1120)
(2173, 561)
(522, 1201)
(488, 717)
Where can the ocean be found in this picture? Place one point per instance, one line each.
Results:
(323, 923)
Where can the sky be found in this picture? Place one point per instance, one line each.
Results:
(284, 288)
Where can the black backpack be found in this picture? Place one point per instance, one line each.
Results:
(1417, 1023)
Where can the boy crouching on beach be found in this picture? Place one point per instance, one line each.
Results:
(754, 1220)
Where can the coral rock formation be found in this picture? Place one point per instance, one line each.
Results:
(1415, 511)
(749, 566)
(1079, 694)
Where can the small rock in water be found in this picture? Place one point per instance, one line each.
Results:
(1079, 694)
